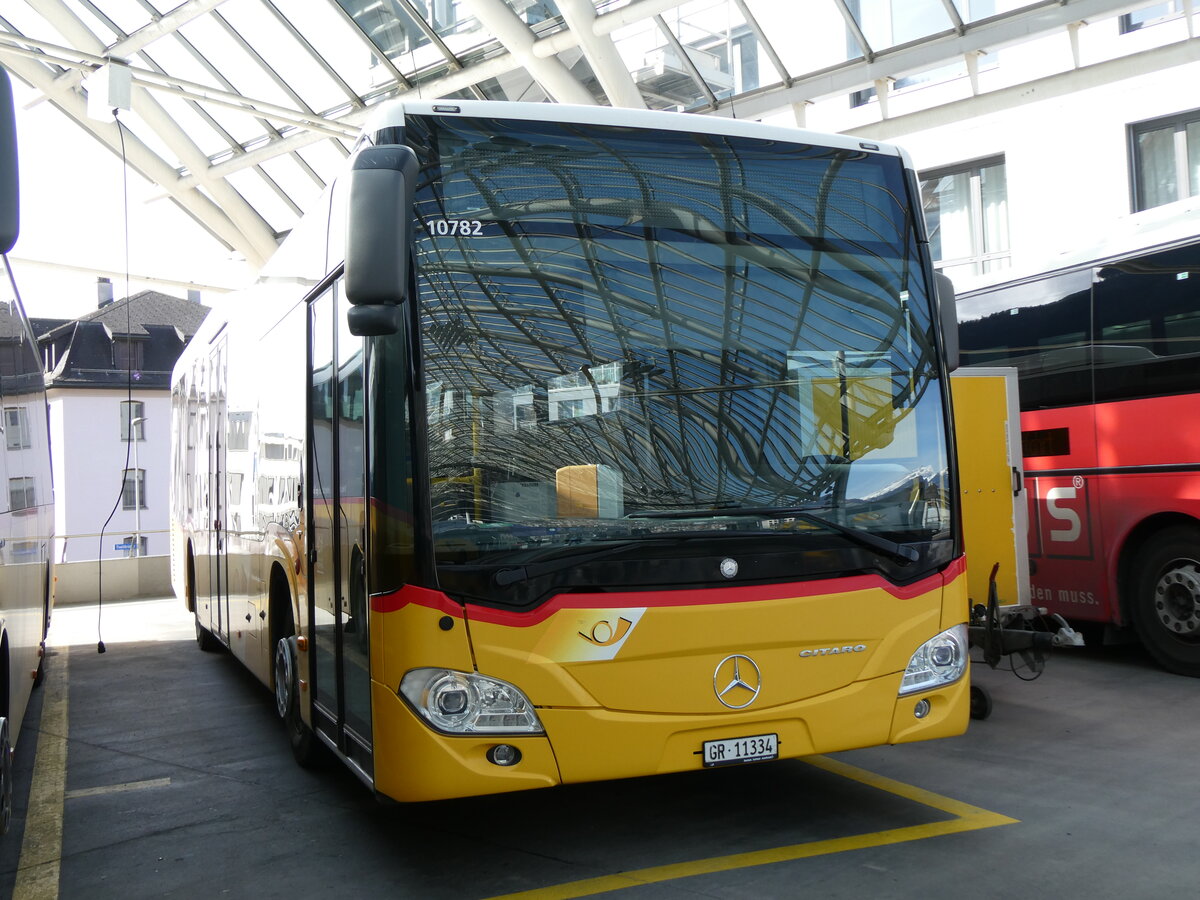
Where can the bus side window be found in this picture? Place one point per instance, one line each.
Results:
(1041, 328)
(1147, 327)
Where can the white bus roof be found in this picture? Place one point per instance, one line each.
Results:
(391, 114)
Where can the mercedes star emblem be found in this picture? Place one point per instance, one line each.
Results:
(737, 681)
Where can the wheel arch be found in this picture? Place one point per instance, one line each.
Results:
(1137, 539)
(281, 605)
(189, 576)
(6, 675)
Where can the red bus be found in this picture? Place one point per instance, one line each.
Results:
(1108, 351)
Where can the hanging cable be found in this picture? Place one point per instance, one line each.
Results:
(129, 430)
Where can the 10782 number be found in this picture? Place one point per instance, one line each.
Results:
(454, 227)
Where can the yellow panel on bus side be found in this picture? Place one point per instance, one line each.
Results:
(995, 518)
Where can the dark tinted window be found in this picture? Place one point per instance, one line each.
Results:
(1042, 328)
(1134, 333)
(1148, 326)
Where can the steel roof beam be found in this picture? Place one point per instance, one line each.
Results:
(761, 37)
(300, 39)
(686, 61)
(258, 237)
(436, 39)
(144, 160)
(68, 58)
(855, 29)
(1061, 84)
(602, 54)
(994, 33)
(549, 72)
(955, 17)
(162, 26)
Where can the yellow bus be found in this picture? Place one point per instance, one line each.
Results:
(561, 444)
(26, 489)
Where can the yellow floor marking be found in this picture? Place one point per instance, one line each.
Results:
(967, 818)
(117, 788)
(41, 848)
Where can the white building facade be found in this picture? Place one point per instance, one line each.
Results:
(108, 389)
(1039, 146)
(91, 459)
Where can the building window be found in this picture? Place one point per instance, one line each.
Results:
(1166, 160)
(21, 494)
(133, 420)
(133, 493)
(1151, 15)
(239, 431)
(127, 354)
(16, 427)
(133, 548)
(966, 211)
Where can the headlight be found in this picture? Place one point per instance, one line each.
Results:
(466, 703)
(939, 661)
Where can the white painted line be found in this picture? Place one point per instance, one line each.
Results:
(41, 848)
(117, 788)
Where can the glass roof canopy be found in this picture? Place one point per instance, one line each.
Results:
(242, 110)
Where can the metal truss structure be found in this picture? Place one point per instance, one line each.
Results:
(242, 110)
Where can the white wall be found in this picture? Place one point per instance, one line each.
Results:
(89, 461)
(1062, 129)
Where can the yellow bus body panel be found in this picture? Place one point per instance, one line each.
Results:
(661, 659)
(620, 701)
(413, 762)
(987, 431)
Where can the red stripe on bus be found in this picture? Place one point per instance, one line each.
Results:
(436, 600)
(955, 570)
(410, 595)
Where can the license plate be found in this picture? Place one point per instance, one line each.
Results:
(754, 748)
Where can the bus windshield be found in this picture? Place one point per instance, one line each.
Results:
(643, 336)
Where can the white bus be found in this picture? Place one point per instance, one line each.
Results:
(26, 489)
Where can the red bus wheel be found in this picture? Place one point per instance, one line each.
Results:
(1166, 603)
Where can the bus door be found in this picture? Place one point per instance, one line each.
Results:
(218, 565)
(995, 515)
(337, 533)
(1049, 335)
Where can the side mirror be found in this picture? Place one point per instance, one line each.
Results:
(9, 197)
(368, 321)
(378, 232)
(948, 313)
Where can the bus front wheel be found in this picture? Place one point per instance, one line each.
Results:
(1166, 603)
(306, 747)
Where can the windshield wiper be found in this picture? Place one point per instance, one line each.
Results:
(900, 553)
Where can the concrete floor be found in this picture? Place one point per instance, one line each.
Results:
(179, 783)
